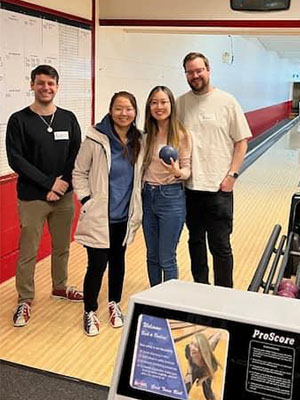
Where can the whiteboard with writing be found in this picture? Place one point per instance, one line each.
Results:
(29, 40)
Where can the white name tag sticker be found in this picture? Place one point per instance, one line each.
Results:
(208, 117)
(61, 135)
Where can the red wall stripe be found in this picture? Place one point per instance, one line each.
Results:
(7, 178)
(264, 118)
(10, 229)
(193, 23)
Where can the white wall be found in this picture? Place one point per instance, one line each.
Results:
(138, 61)
(192, 9)
(80, 8)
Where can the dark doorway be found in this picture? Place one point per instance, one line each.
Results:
(296, 98)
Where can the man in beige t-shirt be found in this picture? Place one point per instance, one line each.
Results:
(219, 132)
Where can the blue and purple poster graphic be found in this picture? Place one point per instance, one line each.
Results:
(155, 365)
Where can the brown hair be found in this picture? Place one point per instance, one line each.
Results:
(45, 70)
(151, 127)
(133, 134)
(192, 56)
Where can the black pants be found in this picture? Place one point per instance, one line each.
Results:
(209, 218)
(97, 262)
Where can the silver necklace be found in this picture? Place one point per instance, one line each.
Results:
(49, 127)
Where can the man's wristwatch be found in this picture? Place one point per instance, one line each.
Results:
(234, 175)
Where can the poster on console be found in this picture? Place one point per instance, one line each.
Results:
(178, 359)
(196, 357)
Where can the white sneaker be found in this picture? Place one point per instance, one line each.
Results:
(22, 314)
(116, 317)
(91, 323)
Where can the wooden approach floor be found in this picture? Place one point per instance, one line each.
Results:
(54, 340)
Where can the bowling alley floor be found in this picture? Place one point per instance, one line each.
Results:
(54, 340)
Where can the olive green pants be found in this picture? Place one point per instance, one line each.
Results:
(33, 215)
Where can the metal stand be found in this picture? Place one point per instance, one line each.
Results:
(286, 261)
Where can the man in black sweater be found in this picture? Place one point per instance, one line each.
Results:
(42, 141)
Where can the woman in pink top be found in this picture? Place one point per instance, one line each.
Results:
(163, 192)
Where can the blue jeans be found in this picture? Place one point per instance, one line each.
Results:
(163, 218)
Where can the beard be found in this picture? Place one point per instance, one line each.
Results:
(199, 85)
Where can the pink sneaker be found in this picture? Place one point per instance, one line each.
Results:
(70, 293)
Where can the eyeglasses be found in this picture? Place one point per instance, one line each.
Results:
(198, 71)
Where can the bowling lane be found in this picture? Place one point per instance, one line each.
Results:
(262, 199)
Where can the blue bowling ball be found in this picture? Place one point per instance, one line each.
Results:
(168, 152)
